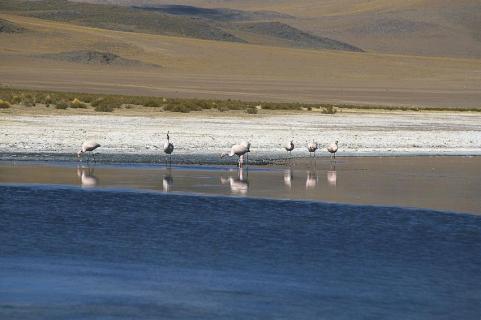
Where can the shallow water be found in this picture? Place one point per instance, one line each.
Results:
(448, 184)
(71, 253)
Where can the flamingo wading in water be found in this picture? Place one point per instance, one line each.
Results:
(169, 147)
(312, 147)
(332, 148)
(239, 150)
(289, 147)
(88, 146)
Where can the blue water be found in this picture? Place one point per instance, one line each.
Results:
(68, 253)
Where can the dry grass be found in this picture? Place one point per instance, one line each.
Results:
(109, 103)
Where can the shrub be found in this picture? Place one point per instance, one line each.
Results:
(204, 104)
(329, 109)
(252, 110)
(177, 108)
(48, 100)
(61, 105)
(104, 108)
(28, 100)
(152, 104)
(16, 99)
(4, 104)
(76, 103)
(109, 102)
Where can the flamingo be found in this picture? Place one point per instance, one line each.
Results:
(169, 147)
(239, 150)
(332, 148)
(88, 146)
(289, 147)
(312, 147)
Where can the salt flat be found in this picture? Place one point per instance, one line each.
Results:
(375, 133)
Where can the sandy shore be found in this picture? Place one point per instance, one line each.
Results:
(359, 133)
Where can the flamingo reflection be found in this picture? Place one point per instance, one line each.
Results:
(87, 177)
(311, 180)
(167, 181)
(332, 176)
(238, 185)
(288, 177)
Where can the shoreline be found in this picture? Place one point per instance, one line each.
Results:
(280, 160)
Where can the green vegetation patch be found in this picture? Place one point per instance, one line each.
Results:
(109, 103)
(4, 104)
(9, 27)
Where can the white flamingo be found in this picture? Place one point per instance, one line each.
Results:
(332, 148)
(312, 147)
(88, 146)
(239, 150)
(168, 147)
(289, 147)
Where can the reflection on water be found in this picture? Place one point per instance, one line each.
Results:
(288, 178)
(332, 176)
(87, 177)
(311, 180)
(239, 184)
(399, 185)
(168, 180)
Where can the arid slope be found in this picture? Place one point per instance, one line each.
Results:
(201, 68)
(417, 27)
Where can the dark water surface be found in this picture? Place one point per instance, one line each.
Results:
(68, 253)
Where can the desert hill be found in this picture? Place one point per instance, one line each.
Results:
(415, 27)
(193, 22)
(222, 69)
